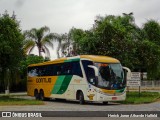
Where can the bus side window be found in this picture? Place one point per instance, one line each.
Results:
(42, 71)
(67, 68)
(49, 70)
(76, 69)
(59, 71)
(52, 70)
(32, 71)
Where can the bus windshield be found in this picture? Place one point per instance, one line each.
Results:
(110, 76)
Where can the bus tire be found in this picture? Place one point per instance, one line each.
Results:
(81, 98)
(41, 95)
(36, 94)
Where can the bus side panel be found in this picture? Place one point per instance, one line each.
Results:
(77, 83)
(80, 84)
(61, 86)
(67, 86)
(44, 83)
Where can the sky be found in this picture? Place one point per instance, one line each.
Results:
(61, 15)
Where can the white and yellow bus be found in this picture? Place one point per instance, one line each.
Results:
(82, 78)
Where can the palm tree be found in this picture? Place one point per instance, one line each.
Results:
(63, 44)
(40, 38)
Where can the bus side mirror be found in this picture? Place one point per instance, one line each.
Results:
(128, 74)
(95, 69)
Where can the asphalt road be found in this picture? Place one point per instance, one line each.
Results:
(74, 106)
(64, 106)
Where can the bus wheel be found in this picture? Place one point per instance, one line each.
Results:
(81, 98)
(41, 95)
(36, 95)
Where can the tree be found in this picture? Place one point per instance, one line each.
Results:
(61, 43)
(66, 45)
(11, 44)
(150, 48)
(149, 58)
(82, 41)
(119, 37)
(152, 31)
(40, 38)
(30, 59)
(111, 36)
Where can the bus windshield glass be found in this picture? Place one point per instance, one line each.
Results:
(111, 76)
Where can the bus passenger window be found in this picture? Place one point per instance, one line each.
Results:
(58, 69)
(67, 69)
(32, 72)
(76, 69)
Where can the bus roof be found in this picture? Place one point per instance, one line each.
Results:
(97, 58)
(94, 58)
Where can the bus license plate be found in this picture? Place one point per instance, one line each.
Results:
(114, 98)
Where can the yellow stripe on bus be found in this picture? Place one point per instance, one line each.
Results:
(107, 91)
(46, 83)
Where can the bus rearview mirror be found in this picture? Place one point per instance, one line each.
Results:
(95, 69)
(128, 75)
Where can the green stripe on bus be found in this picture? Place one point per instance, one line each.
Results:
(65, 84)
(120, 91)
(58, 84)
(72, 60)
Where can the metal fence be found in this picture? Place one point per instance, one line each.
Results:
(154, 83)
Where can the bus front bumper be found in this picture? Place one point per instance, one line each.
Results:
(104, 97)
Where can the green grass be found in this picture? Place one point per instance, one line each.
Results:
(9, 100)
(145, 97)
